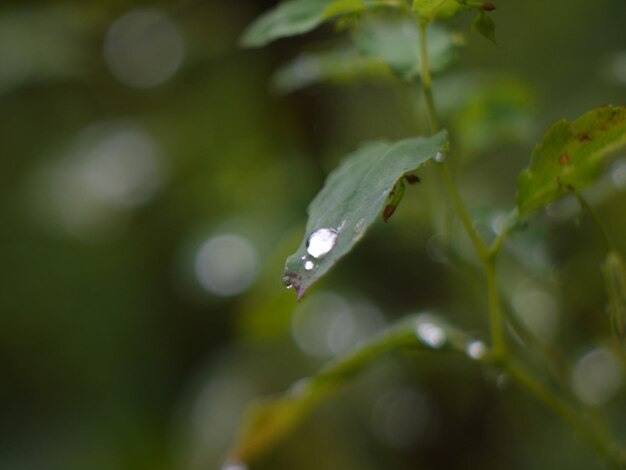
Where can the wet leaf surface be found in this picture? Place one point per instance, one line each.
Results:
(351, 200)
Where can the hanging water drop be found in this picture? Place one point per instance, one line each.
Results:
(321, 242)
(309, 265)
(431, 334)
(440, 157)
(476, 350)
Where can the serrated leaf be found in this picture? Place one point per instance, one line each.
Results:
(294, 17)
(571, 156)
(436, 9)
(396, 42)
(341, 65)
(267, 421)
(351, 201)
(484, 25)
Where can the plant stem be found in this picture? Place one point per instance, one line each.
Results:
(497, 331)
(588, 427)
(495, 311)
(459, 205)
(426, 79)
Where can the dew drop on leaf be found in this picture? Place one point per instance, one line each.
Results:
(321, 242)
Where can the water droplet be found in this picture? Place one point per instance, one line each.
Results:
(440, 157)
(234, 466)
(321, 242)
(431, 334)
(476, 350)
(309, 265)
(359, 230)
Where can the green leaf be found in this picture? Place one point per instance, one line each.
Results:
(267, 421)
(341, 65)
(295, 17)
(286, 19)
(396, 42)
(436, 9)
(484, 24)
(351, 200)
(571, 157)
(615, 284)
(495, 111)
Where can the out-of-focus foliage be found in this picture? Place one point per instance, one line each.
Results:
(151, 187)
(570, 156)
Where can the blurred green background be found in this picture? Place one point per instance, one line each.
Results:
(152, 184)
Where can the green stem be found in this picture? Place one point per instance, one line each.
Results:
(459, 205)
(495, 311)
(595, 433)
(426, 79)
(444, 171)
(479, 244)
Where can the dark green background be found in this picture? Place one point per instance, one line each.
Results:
(111, 354)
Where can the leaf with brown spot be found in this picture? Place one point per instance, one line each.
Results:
(571, 156)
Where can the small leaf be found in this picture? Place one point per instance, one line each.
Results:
(268, 421)
(396, 197)
(396, 42)
(351, 200)
(436, 9)
(484, 24)
(496, 111)
(294, 17)
(571, 156)
(341, 65)
(615, 284)
(286, 19)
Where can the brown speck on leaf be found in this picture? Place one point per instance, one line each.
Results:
(584, 137)
(412, 179)
(564, 159)
(488, 6)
